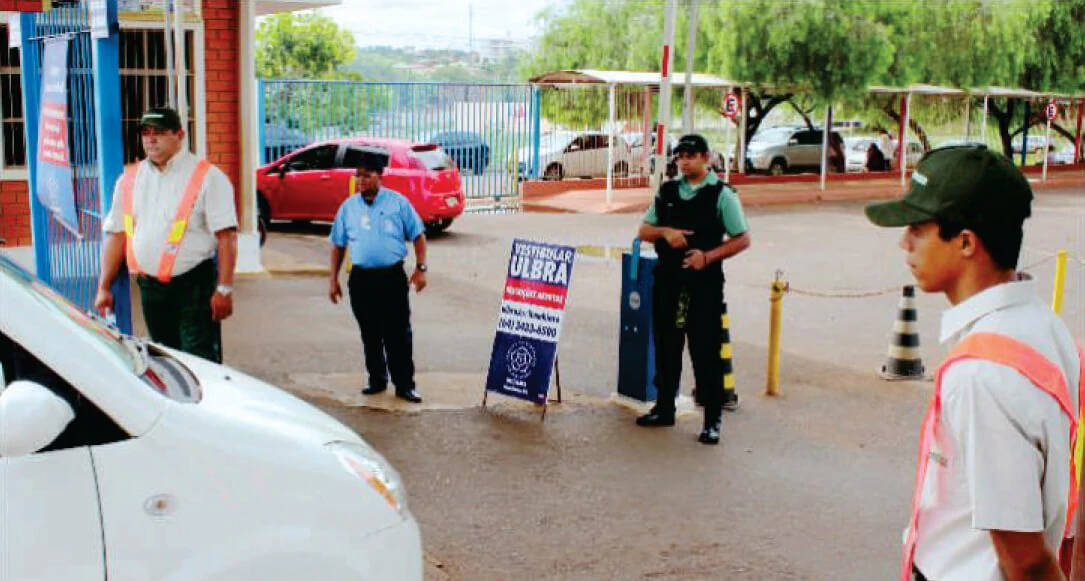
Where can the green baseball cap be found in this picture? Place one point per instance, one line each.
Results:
(968, 185)
(161, 118)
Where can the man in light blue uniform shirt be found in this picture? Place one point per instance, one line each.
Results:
(375, 225)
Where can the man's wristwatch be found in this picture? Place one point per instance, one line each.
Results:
(224, 290)
(421, 267)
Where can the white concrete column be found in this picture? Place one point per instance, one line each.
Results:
(248, 242)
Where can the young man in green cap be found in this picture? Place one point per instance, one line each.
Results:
(993, 479)
(174, 221)
(695, 223)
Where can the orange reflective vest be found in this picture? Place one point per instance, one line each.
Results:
(1038, 369)
(180, 220)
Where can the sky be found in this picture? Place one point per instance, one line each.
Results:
(437, 23)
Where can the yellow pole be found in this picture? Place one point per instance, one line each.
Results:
(776, 300)
(1060, 282)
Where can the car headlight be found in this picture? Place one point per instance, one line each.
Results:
(370, 467)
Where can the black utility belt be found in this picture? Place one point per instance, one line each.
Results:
(397, 267)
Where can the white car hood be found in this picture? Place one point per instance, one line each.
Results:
(261, 406)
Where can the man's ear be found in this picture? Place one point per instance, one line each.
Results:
(969, 243)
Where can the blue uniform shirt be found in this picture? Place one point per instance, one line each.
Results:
(376, 234)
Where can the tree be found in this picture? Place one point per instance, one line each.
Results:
(830, 50)
(303, 46)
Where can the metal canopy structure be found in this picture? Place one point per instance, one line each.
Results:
(594, 77)
(575, 78)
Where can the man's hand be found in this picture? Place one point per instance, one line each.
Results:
(418, 279)
(695, 259)
(222, 306)
(335, 292)
(677, 238)
(103, 302)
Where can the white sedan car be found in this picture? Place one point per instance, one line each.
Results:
(124, 460)
(566, 154)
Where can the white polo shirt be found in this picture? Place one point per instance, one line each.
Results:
(156, 195)
(1001, 457)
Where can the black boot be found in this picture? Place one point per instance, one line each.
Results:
(656, 418)
(711, 433)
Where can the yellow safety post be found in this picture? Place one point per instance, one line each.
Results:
(1060, 282)
(776, 300)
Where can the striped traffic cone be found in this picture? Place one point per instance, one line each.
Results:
(904, 361)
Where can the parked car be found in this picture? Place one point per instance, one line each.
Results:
(1061, 156)
(855, 151)
(1036, 143)
(636, 149)
(468, 150)
(781, 149)
(280, 140)
(311, 184)
(123, 459)
(567, 154)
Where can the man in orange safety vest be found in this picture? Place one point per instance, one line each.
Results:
(995, 488)
(174, 222)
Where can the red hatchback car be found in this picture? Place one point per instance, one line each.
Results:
(311, 183)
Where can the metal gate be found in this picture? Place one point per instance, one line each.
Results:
(67, 257)
(490, 131)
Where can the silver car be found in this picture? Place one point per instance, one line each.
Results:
(781, 149)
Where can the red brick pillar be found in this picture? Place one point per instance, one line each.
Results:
(15, 213)
(222, 48)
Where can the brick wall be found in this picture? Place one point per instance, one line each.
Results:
(222, 48)
(15, 213)
(21, 5)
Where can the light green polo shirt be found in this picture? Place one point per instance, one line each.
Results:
(729, 208)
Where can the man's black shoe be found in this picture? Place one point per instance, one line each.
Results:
(710, 435)
(411, 396)
(730, 400)
(653, 419)
(374, 389)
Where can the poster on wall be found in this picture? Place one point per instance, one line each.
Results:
(99, 18)
(528, 328)
(155, 8)
(53, 185)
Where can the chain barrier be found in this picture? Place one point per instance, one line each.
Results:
(892, 290)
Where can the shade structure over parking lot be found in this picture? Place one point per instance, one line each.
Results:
(648, 82)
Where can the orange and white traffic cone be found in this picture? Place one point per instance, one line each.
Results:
(904, 361)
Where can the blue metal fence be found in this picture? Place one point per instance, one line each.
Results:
(490, 131)
(69, 262)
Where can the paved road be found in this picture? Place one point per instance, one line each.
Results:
(810, 485)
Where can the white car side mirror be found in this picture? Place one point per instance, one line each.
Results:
(31, 417)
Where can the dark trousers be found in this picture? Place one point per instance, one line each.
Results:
(178, 313)
(702, 327)
(379, 299)
(917, 574)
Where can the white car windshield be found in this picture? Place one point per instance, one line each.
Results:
(158, 370)
(95, 329)
(774, 135)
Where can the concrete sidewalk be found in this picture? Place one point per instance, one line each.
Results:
(635, 200)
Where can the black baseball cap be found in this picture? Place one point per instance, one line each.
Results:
(967, 185)
(161, 118)
(365, 157)
(692, 143)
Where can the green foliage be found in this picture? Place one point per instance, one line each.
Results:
(303, 46)
(381, 63)
(833, 49)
